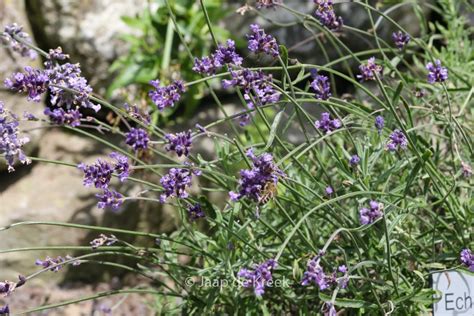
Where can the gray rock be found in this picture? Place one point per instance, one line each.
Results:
(89, 31)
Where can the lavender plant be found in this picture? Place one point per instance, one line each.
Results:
(352, 219)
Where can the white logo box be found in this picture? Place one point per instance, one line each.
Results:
(457, 293)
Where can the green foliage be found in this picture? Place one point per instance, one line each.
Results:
(157, 53)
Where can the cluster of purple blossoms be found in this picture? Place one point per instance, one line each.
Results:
(5, 310)
(436, 73)
(54, 56)
(103, 240)
(56, 264)
(175, 183)
(195, 212)
(59, 116)
(100, 173)
(259, 277)
(371, 214)
(354, 161)
(467, 259)
(326, 15)
(8, 39)
(137, 138)
(11, 142)
(397, 141)
(370, 70)
(320, 85)
(315, 274)
(7, 287)
(224, 55)
(68, 77)
(400, 39)
(326, 124)
(260, 42)
(109, 199)
(167, 96)
(34, 82)
(180, 143)
(328, 309)
(379, 123)
(256, 85)
(253, 182)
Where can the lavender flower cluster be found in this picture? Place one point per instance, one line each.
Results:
(320, 85)
(253, 182)
(99, 175)
(315, 274)
(11, 142)
(370, 70)
(326, 124)
(436, 73)
(371, 214)
(259, 277)
(261, 42)
(195, 212)
(9, 39)
(224, 55)
(467, 259)
(176, 181)
(400, 39)
(167, 96)
(56, 264)
(180, 143)
(326, 15)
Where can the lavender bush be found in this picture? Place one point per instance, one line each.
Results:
(351, 219)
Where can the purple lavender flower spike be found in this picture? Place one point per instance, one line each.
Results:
(370, 70)
(315, 274)
(256, 86)
(103, 240)
(259, 277)
(180, 143)
(379, 123)
(11, 142)
(137, 138)
(59, 116)
(69, 76)
(206, 65)
(226, 55)
(321, 86)
(436, 73)
(260, 42)
(97, 174)
(195, 212)
(354, 161)
(175, 183)
(467, 259)
(400, 39)
(54, 263)
(167, 96)
(121, 166)
(326, 15)
(32, 81)
(252, 182)
(6, 288)
(397, 141)
(371, 214)
(5, 310)
(109, 199)
(8, 39)
(326, 124)
(54, 56)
